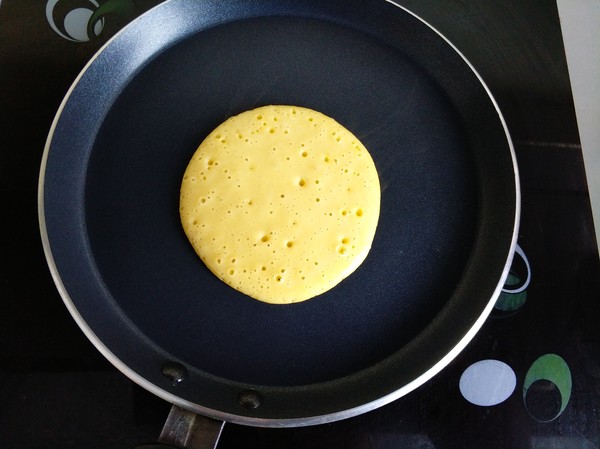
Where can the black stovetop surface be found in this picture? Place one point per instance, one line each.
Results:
(57, 391)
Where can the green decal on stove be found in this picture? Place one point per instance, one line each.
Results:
(547, 388)
(85, 20)
(514, 291)
(509, 302)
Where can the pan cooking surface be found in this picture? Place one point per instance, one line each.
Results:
(133, 281)
(428, 210)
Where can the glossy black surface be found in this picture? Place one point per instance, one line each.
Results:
(57, 391)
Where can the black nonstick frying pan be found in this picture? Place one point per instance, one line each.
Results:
(109, 191)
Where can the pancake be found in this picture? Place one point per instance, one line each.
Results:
(281, 203)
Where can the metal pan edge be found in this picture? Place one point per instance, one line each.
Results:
(253, 421)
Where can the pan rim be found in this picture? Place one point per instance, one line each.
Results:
(256, 421)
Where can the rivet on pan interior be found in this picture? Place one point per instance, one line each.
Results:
(174, 371)
(249, 399)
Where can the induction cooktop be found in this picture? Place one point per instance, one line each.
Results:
(529, 379)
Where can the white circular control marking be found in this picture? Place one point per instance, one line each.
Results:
(487, 382)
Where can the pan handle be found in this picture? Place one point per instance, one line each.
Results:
(188, 430)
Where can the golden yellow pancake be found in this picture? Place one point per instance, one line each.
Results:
(281, 203)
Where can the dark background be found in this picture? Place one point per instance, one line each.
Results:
(57, 391)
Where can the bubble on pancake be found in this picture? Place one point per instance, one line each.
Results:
(281, 203)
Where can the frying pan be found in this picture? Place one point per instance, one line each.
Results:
(109, 189)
